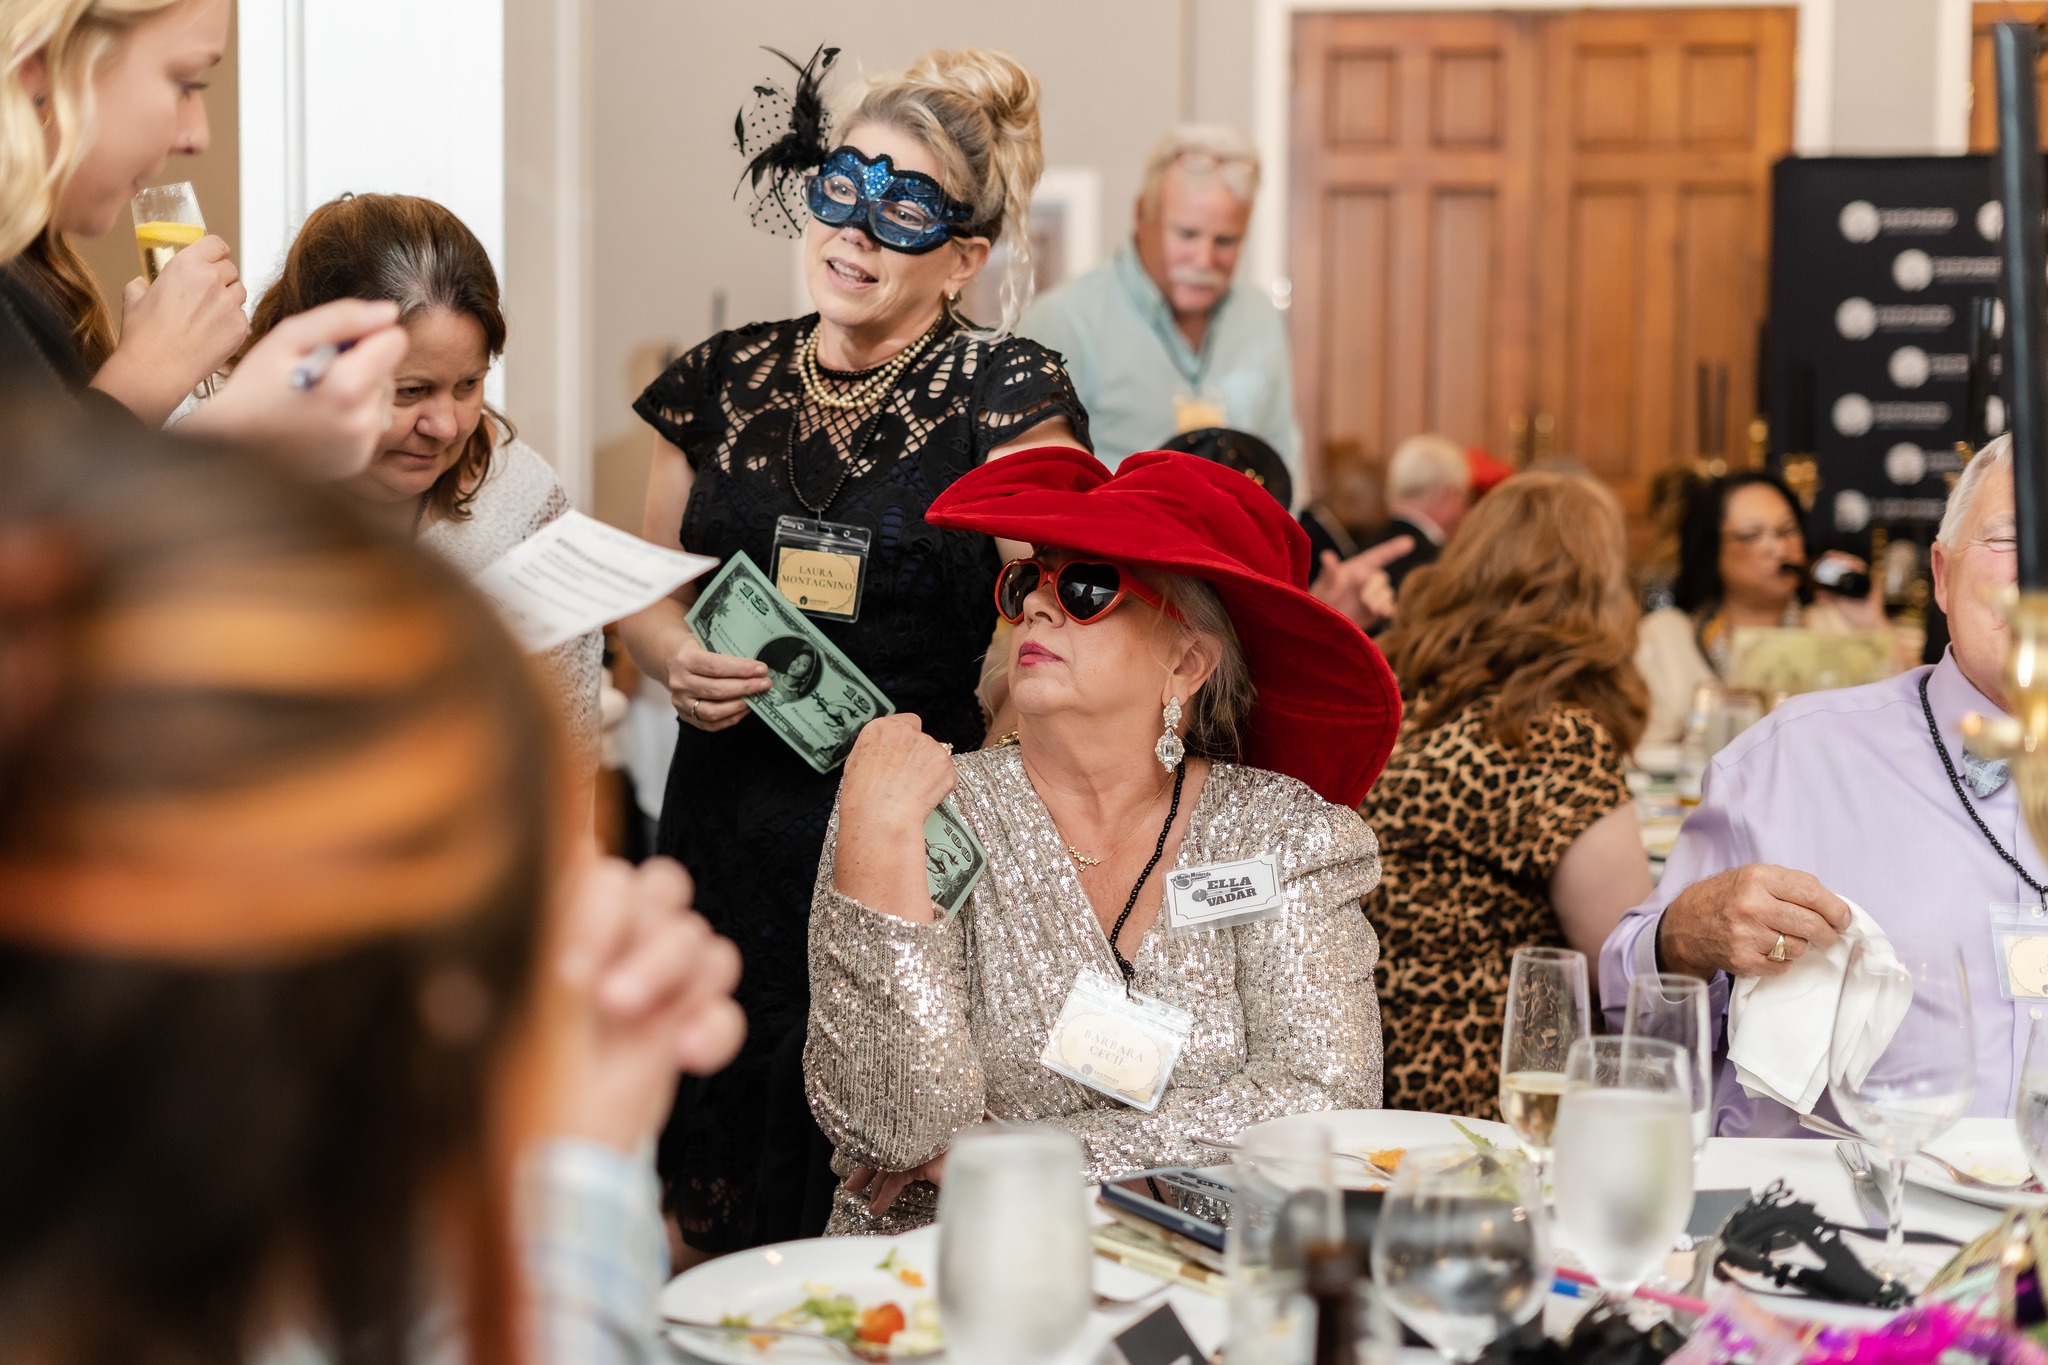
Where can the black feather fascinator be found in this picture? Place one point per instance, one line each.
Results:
(782, 133)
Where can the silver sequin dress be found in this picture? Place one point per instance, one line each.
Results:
(918, 1030)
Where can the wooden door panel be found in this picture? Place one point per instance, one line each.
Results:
(1983, 85)
(1661, 130)
(1601, 342)
(1464, 333)
(1359, 261)
(1414, 141)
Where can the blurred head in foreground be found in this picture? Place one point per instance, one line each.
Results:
(278, 822)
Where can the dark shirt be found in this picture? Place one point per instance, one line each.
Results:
(1325, 532)
(38, 359)
(1425, 551)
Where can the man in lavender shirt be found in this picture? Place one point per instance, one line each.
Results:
(1843, 794)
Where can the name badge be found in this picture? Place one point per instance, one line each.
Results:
(1123, 1045)
(1193, 413)
(2019, 944)
(821, 566)
(1223, 894)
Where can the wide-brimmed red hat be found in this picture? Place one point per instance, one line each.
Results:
(1327, 709)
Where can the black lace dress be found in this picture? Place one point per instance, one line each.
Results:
(743, 812)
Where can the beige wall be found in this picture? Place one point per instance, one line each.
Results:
(669, 239)
(215, 176)
(1884, 75)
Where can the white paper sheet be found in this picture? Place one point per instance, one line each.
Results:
(577, 574)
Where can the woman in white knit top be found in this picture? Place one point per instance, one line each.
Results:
(449, 470)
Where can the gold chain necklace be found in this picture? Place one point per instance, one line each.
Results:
(1084, 862)
(864, 393)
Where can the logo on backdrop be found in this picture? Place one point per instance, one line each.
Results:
(1905, 464)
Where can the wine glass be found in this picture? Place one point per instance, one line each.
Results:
(1015, 1284)
(2030, 1108)
(1902, 1085)
(1673, 1007)
(1622, 1172)
(167, 220)
(1460, 1253)
(1284, 1199)
(1547, 1011)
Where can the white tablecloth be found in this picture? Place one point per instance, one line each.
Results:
(1808, 1168)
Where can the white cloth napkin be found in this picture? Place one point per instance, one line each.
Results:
(1779, 1027)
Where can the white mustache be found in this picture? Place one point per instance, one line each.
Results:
(1199, 279)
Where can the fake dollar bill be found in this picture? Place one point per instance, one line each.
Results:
(816, 700)
(953, 858)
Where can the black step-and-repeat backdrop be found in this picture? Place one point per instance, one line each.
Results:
(1877, 266)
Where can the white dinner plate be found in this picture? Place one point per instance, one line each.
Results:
(1372, 1130)
(766, 1281)
(1987, 1148)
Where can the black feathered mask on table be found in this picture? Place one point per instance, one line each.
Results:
(783, 133)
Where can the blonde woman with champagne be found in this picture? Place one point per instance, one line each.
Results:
(95, 97)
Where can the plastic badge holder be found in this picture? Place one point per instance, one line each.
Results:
(1123, 1044)
(2019, 943)
(822, 566)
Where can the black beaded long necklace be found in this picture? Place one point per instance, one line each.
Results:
(1969, 807)
(1124, 964)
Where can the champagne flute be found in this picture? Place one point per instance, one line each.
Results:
(2030, 1108)
(1015, 1258)
(1460, 1253)
(1623, 1164)
(1673, 1007)
(1548, 1010)
(1902, 1087)
(167, 220)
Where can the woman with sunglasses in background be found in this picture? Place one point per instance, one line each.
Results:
(836, 429)
(1171, 841)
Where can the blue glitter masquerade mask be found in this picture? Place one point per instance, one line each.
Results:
(903, 210)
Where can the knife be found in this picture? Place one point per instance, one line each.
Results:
(1871, 1199)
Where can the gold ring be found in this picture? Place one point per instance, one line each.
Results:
(696, 702)
(1777, 953)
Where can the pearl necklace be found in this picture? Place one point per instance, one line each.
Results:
(864, 393)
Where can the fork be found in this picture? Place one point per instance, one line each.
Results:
(1955, 1172)
(1370, 1168)
(881, 1353)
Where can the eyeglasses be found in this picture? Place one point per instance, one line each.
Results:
(1087, 589)
(1754, 535)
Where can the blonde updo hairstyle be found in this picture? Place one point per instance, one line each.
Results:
(976, 111)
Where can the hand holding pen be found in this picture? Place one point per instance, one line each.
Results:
(328, 421)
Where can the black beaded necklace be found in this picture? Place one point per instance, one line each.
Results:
(1124, 964)
(1970, 807)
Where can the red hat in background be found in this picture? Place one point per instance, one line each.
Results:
(1328, 708)
(1487, 472)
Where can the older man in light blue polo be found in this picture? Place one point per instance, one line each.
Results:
(1159, 341)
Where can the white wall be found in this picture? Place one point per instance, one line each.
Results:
(398, 96)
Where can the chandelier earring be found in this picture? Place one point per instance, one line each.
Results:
(1169, 750)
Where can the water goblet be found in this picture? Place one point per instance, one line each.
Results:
(1460, 1253)
(1673, 1007)
(1015, 1284)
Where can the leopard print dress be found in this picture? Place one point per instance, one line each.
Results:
(1469, 833)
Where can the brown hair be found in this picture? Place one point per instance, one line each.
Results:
(53, 271)
(413, 252)
(307, 799)
(1532, 605)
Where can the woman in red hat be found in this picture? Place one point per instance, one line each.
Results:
(1166, 942)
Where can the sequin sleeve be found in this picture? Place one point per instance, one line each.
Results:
(890, 1063)
(1311, 1020)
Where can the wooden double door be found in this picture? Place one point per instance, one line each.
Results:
(1545, 234)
